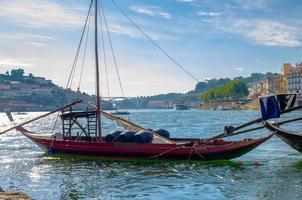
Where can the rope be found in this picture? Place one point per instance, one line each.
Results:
(112, 50)
(70, 78)
(190, 154)
(156, 156)
(72, 71)
(85, 50)
(199, 153)
(104, 53)
(154, 43)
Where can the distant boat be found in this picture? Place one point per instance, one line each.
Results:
(222, 108)
(120, 113)
(21, 113)
(180, 107)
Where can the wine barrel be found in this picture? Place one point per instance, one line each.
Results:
(143, 137)
(162, 132)
(127, 136)
(112, 135)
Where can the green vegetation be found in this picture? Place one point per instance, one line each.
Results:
(18, 75)
(235, 89)
(38, 93)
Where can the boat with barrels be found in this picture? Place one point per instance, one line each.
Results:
(82, 132)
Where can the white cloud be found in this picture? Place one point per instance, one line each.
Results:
(151, 11)
(13, 62)
(252, 5)
(266, 32)
(12, 38)
(208, 14)
(40, 13)
(134, 33)
(239, 69)
(260, 31)
(187, 1)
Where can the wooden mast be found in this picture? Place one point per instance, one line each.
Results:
(98, 103)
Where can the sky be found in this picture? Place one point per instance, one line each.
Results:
(210, 38)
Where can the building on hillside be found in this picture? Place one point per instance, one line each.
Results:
(277, 84)
(286, 69)
(42, 91)
(295, 79)
(4, 87)
(260, 89)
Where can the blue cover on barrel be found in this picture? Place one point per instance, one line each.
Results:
(143, 137)
(112, 135)
(162, 132)
(269, 107)
(127, 136)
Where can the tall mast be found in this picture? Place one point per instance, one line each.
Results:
(98, 103)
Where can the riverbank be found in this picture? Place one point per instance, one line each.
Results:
(13, 195)
(231, 105)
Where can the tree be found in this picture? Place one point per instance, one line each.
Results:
(17, 74)
(234, 89)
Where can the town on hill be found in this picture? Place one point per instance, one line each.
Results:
(23, 92)
(30, 93)
(237, 93)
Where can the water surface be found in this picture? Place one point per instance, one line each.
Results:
(25, 167)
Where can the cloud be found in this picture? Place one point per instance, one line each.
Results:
(9, 38)
(266, 32)
(259, 31)
(151, 11)
(14, 62)
(187, 1)
(134, 33)
(40, 13)
(252, 5)
(239, 69)
(208, 14)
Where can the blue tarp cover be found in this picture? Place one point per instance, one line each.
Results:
(269, 107)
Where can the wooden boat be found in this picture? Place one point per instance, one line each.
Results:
(272, 107)
(82, 130)
(182, 149)
(293, 139)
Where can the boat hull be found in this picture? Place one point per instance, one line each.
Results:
(293, 139)
(202, 151)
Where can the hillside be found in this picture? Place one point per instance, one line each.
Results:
(30, 93)
(167, 100)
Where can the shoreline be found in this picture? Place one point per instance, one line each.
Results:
(14, 195)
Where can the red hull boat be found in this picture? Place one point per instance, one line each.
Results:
(182, 149)
(82, 130)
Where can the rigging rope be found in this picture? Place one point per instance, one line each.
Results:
(85, 50)
(154, 43)
(104, 53)
(112, 50)
(70, 78)
(72, 71)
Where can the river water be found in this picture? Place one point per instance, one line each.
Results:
(25, 167)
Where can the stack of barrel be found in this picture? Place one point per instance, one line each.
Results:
(129, 136)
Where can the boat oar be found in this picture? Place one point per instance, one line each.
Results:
(255, 121)
(42, 116)
(261, 127)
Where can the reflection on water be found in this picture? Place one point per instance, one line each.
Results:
(27, 168)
